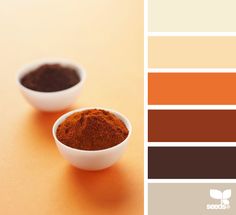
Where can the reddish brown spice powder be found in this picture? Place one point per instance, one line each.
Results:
(92, 130)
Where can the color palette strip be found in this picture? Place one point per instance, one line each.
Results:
(191, 15)
(192, 125)
(191, 88)
(195, 52)
(194, 199)
(191, 162)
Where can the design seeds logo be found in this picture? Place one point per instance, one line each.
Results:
(223, 197)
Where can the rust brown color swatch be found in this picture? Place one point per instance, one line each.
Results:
(191, 162)
(192, 125)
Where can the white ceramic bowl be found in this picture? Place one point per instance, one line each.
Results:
(51, 101)
(91, 160)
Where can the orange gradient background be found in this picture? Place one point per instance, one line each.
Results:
(106, 38)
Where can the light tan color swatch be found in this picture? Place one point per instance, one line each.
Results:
(186, 52)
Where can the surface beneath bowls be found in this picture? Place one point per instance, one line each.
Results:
(106, 38)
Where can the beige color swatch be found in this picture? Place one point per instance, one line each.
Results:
(189, 52)
(169, 199)
(191, 15)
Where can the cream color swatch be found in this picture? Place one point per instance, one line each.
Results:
(192, 15)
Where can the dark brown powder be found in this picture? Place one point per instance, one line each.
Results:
(92, 130)
(50, 78)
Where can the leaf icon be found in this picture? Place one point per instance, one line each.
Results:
(226, 194)
(216, 194)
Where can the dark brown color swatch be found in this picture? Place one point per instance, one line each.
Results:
(192, 125)
(191, 162)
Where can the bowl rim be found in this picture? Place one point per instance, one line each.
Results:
(116, 113)
(36, 63)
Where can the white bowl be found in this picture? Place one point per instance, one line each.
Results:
(51, 101)
(96, 159)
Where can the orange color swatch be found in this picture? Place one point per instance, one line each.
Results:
(191, 88)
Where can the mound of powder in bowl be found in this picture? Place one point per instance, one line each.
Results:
(50, 78)
(92, 130)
